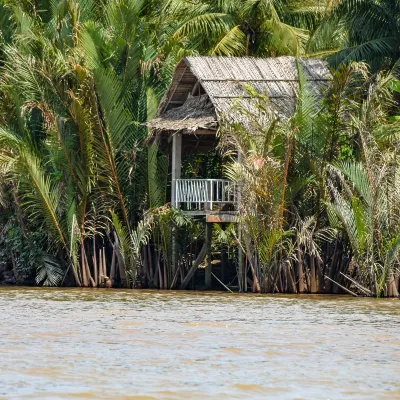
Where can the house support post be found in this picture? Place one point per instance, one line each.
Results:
(241, 272)
(242, 278)
(176, 174)
(176, 165)
(224, 264)
(209, 227)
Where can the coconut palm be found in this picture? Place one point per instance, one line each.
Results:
(258, 28)
(373, 29)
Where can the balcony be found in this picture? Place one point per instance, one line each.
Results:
(206, 197)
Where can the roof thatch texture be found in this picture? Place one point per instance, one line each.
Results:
(224, 80)
(196, 113)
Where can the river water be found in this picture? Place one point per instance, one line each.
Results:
(120, 344)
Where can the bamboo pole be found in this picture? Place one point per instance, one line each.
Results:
(226, 287)
(362, 288)
(338, 284)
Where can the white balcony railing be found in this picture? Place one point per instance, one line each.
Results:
(205, 194)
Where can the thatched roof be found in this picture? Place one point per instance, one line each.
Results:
(222, 80)
(196, 113)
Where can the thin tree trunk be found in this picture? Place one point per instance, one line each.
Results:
(112, 270)
(300, 271)
(393, 292)
(14, 264)
(291, 280)
(331, 269)
(121, 263)
(104, 263)
(89, 276)
(83, 267)
(150, 260)
(165, 276)
(96, 275)
(320, 278)
(159, 272)
(101, 275)
(313, 276)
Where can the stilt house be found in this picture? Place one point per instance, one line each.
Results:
(202, 90)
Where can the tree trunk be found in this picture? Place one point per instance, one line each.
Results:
(302, 286)
(112, 269)
(313, 278)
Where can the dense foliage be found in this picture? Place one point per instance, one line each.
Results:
(82, 196)
(326, 178)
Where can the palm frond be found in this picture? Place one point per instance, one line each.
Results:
(42, 196)
(49, 272)
(210, 24)
(231, 44)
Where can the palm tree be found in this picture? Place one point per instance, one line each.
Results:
(258, 28)
(373, 30)
(75, 97)
(365, 194)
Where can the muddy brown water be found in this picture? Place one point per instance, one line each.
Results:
(117, 344)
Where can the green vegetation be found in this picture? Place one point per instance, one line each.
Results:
(83, 197)
(322, 183)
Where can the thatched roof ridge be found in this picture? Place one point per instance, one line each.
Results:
(224, 81)
(254, 69)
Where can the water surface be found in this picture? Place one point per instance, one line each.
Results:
(101, 344)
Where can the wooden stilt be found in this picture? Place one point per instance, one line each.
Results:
(208, 263)
(241, 264)
(224, 264)
(176, 174)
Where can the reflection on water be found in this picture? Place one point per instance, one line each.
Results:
(100, 344)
